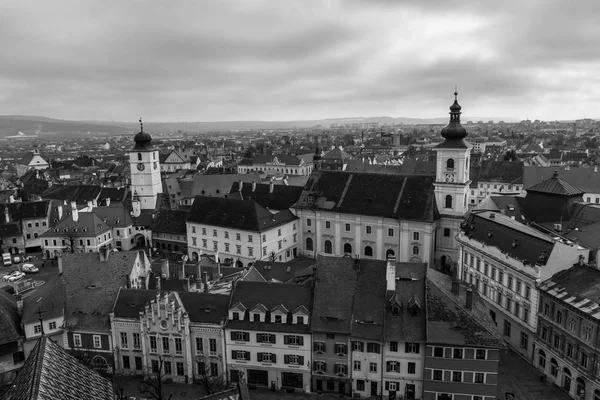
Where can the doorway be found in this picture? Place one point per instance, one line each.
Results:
(373, 388)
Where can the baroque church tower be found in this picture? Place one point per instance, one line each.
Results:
(451, 184)
(145, 171)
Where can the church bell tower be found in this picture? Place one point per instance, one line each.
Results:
(145, 170)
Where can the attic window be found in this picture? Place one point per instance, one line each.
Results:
(510, 207)
(66, 230)
(278, 319)
(92, 287)
(83, 229)
(395, 310)
(55, 229)
(74, 229)
(490, 233)
(132, 305)
(515, 243)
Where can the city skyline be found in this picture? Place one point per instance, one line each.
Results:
(232, 60)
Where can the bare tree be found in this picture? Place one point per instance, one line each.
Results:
(153, 384)
(209, 376)
(120, 382)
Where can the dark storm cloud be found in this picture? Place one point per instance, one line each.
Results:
(297, 60)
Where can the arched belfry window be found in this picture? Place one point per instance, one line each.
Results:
(139, 156)
(448, 201)
(450, 163)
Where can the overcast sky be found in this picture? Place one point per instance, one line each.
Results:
(283, 60)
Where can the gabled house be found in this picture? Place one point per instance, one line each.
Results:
(169, 233)
(269, 195)
(182, 331)
(267, 335)
(31, 160)
(282, 163)
(92, 281)
(33, 217)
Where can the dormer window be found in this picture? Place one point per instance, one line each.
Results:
(256, 317)
(278, 319)
(235, 316)
(395, 310)
(300, 320)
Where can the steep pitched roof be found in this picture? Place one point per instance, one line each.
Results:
(578, 286)
(51, 373)
(410, 292)
(26, 210)
(368, 310)
(556, 186)
(170, 221)
(237, 214)
(281, 158)
(212, 185)
(91, 286)
(88, 224)
(586, 179)
(510, 172)
(281, 197)
(271, 295)
(450, 322)
(10, 324)
(502, 231)
(50, 298)
(335, 284)
(393, 196)
(79, 194)
(336, 155)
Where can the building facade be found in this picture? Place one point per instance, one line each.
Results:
(568, 339)
(282, 163)
(267, 335)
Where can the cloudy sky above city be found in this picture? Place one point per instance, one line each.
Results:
(290, 60)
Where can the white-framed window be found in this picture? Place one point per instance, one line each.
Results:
(347, 227)
(373, 367)
(320, 346)
(416, 236)
(97, 342)
(320, 366)
(357, 365)
(136, 341)
(37, 328)
(52, 325)
(124, 340)
(327, 224)
(368, 229)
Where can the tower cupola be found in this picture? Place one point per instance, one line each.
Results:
(454, 130)
(143, 140)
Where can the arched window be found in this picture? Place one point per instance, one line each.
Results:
(542, 359)
(139, 156)
(309, 244)
(553, 367)
(450, 163)
(347, 248)
(449, 201)
(368, 251)
(390, 253)
(415, 250)
(328, 247)
(566, 379)
(580, 387)
(99, 362)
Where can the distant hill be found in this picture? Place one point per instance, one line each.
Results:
(12, 124)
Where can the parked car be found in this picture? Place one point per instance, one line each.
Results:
(30, 269)
(13, 276)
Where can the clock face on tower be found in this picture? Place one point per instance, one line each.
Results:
(449, 178)
(141, 166)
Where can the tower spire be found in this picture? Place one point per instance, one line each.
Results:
(141, 125)
(454, 130)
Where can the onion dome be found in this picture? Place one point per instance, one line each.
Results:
(454, 130)
(143, 141)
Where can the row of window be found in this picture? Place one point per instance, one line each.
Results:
(291, 340)
(342, 348)
(560, 318)
(238, 236)
(458, 376)
(38, 328)
(238, 247)
(512, 306)
(165, 344)
(453, 352)
(496, 186)
(96, 341)
(212, 346)
(368, 229)
(511, 283)
(566, 347)
(275, 318)
(367, 251)
(37, 224)
(288, 359)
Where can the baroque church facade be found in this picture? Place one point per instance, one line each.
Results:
(411, 218)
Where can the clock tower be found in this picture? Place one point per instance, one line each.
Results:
(451, 184)
(145, 170)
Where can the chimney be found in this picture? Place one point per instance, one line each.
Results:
(271, 187)
(205, 281)
(94, 203)
(469, 303)
(186, 285)
(218, 270)
(60, 265)
(60, 211)
(241, 184)
(103, 252)
(390, 273)
(456, 287)
(198, 272)
(595, 168)
(157, 283)
(6, 215)
(285, 181)
(182, 272)
(164, 267)
(20, 305)
(90, 205)
(253, 186)
(107, 200)
(11, 199)
(74, 211)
